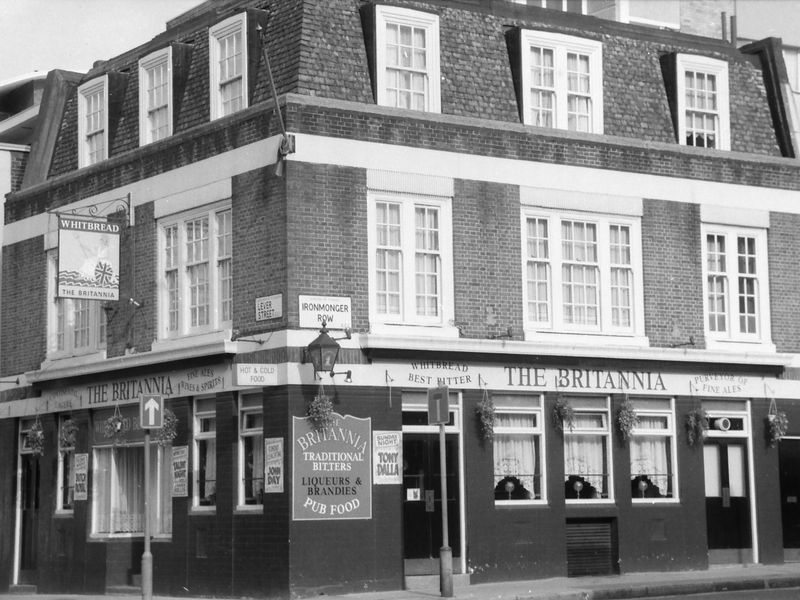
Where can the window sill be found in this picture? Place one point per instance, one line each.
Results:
(249, 509)
(586, 338)
(417, 331)
(182, 342)
(520, 503)
(740, 345)
(63, 514)
(56, 361)
(113, 537)
(203, 510)
(655, 501)
(591, 501)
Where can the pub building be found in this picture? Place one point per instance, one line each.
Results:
(585, 230)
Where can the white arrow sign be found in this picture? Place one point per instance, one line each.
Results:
(151, 411)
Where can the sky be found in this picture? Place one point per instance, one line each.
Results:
(40, 35)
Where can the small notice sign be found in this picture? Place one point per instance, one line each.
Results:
(273, 465)
(387, 457)
(81, 491)
(438, 406)
(334, 310)
(180, 471)
(256, 374)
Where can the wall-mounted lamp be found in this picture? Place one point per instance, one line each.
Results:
(324, 351)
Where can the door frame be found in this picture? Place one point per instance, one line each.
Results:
(794, 438)
(17, 558)
(736, 408)
(413, 402)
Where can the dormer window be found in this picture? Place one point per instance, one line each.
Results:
(561, 81)
(406, 59)
(228, 66)
(155, 96)
(93, 121)
(702, 102)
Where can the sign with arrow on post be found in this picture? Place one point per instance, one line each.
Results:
(151, 411)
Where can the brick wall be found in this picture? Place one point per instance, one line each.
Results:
(24, 308)
(487, 258)
(326, 234)
(784, 280)
(259, 246)
(673, 279)
(704, 17)
(19, 160)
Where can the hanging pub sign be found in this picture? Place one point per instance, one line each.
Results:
(88, 258)
(332, 469)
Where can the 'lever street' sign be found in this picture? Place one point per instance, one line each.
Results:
(151, 411)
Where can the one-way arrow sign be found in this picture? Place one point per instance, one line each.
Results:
(151, 411)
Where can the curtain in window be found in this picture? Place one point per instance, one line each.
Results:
(161, 487)
(128, 513)
(650, 454)
(584, 456)
(515, 454)
(208, 470)
(102, 490)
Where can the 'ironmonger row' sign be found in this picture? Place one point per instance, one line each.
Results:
(332, 469)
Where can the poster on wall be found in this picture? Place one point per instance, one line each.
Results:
(273, 465)
(332, 471)
(180, 471)
(88, 258)
(81, 490)
(387, 457)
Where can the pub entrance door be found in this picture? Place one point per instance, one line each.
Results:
(422, 500)
(727, 501)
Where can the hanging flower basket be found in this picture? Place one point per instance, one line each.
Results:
(563, 414)
(320, 412)
(168, 430)
(68, 434)
(114, 427)
(627, 420)
(35, 438)
(486, 415)
(776, 424)
(696, 425)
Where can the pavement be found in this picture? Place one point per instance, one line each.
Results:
(612, 587)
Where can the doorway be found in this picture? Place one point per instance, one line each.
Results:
(422, 492)
(789, 465)
(29, 517)
(422, 504)
(727, 501)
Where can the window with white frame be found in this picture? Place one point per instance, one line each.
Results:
(227, 43)
(703, 102)
(562, 81)
(582, 272)
(736, 284)
(652, 446)
(93, 122)
(251, 451)
(118, 494)
(75, 326)
(205, 453)
(410, 260)
(587, 450)
(66, 465)
(407, 58)
(518, 449)
(196, 268)
(155, 96)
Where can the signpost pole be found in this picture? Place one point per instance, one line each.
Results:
(445, 552)
(147, 557)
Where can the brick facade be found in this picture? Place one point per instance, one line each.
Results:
(302, 227)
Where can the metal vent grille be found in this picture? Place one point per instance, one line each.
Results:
(591, 549)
